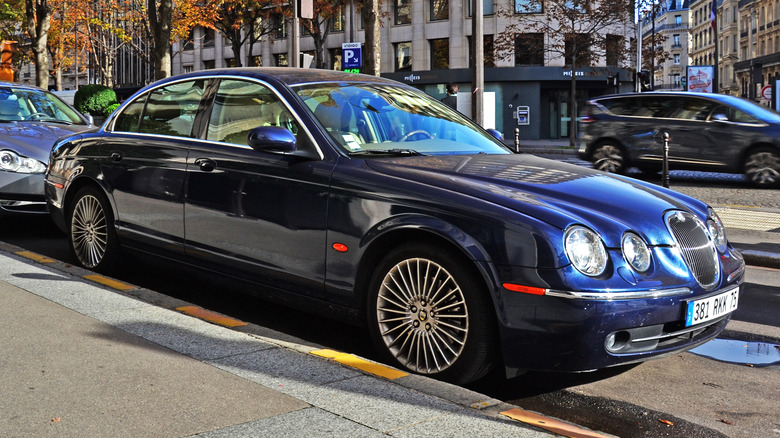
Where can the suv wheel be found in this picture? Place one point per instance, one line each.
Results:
(609, 158)
(762, 167)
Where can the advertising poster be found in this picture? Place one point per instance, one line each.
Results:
(700, 78)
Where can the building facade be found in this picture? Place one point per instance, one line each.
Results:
(425, 43)
(671, 25)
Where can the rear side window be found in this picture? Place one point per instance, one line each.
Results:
(171, 110)
(641, 106)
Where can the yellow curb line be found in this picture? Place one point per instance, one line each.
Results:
(361, 364)
(37, 257)
(551, 424)
(105, 281)
(210, 316)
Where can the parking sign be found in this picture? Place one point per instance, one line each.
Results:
(352, 56)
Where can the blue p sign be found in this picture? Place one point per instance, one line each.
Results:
(351, 55)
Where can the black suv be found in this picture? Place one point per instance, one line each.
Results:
(713, 132)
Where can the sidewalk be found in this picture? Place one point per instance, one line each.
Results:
(81, 360)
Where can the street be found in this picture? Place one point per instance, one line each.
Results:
(686, 394)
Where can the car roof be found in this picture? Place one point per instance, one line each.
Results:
(284, 75)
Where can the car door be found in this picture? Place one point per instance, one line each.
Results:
(145, 159)
(256, 215)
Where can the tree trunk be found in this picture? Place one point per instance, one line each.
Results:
(160, 28)
(371, 59)
(38, 15)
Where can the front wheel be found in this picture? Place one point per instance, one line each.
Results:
(92, 236)
(430, 314)
(609, 158)
(762, 168)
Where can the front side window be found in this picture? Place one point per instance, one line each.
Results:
(367, 119)
(240, 106)
(169, 110)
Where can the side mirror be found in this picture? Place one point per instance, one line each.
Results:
(720, 118)
(497, 134)
(90, 119)
(271, 139)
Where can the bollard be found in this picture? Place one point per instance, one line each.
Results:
(665, 177)
(517, 140)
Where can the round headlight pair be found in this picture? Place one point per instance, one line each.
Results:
(10, 161)
(717, 231)
(588, 255)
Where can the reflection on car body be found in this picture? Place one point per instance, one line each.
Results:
(31, 120)
(363, 197)
(713, 132)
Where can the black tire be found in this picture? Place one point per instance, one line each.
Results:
(609, 157)
(430, 314)
(762, 167)
(91, 232)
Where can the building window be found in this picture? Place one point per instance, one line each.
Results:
(613, 45)
(440, 54)
(209, 64)
(678, 19)
(335, 58)
(338, 21)
(489, 53)
(676, 59)
(257, 61)
(487, 7)
(281, 25)
(578, 47)
(403, 11)
(281, 60)
(676, 41)
(403, 56)
(528, 7)
(440, 10)
(230, 62)
(529, 49)
(676, 80)
(208, 37)
(187, 69)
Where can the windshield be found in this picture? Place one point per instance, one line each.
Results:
(382, 118)
(18, 104)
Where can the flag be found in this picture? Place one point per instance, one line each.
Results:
(713, 14)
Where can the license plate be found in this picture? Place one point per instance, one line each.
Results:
(707, 309)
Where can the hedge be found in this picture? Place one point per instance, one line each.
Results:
(94, 99)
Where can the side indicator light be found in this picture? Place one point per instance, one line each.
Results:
(525, 289)
(340, 247)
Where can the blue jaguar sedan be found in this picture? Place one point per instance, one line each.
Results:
(362, 198)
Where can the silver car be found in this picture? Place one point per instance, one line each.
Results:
(31, 120)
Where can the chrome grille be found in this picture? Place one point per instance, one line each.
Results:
(696, 246)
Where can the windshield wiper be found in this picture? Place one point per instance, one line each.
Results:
(393, 152)
(51, 120)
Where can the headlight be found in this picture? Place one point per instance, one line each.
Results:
(585, 250)
(635, 252)
(10, 161)
(717, 231)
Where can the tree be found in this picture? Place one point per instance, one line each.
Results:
(372, 22)
(327, 13)
(578, 32)
(244, 20)
(38, 20)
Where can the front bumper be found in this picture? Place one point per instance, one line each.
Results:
(565, 334)
(22, 193)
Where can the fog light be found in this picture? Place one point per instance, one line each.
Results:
(617, 341)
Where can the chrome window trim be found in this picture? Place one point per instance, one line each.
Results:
(110, 123)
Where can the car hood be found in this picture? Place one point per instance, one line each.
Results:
(34, 139)
(557, 193)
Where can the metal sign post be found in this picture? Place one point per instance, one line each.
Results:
(665, 177)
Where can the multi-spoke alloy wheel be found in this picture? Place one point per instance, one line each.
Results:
(431, 315)
(423, 315)
(762, 168)
(91, 235)
(608, 158)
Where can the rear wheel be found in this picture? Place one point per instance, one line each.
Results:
(609, 158)
(430, 314)
(92, 236)
(762, 167)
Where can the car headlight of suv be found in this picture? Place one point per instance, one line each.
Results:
(585, 250)
(636, 252)
(717, 231)
(10, 161)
